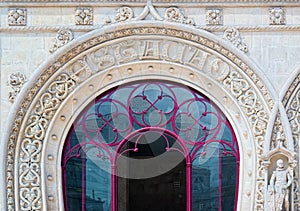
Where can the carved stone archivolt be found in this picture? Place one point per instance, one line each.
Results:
(48, 92)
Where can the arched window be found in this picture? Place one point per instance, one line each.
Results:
(151, 145)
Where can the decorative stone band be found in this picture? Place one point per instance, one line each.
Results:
(291, 102)
(194, 50)
(87, 28)
(244, 2)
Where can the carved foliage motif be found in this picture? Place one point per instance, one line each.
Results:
(278, 130)
(84, 16)
(15, 82)
(17, 17)
(42, 114)
(174, 14)
(214, 16)
(63, 37)
(233, 35)
(277, 16)
(123, 14)
(30, 154)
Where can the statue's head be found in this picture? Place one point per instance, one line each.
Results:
(280, 163)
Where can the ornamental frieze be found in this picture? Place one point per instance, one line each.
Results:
(181, 47)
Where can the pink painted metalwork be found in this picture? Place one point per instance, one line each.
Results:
(132, 110)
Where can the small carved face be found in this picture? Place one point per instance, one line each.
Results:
(280, 163)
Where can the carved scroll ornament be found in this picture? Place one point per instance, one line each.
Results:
(233, 35)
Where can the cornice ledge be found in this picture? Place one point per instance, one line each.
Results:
(154, 1)
(46, 29)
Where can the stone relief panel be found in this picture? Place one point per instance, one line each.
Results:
(17, 17)
(63, 37)
(233, 35)
(15, 82)
(277, 16)
(30, 154)
(214, 17)
(84, 16)
(240, 81)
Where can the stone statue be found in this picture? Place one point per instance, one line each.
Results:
(278, 190)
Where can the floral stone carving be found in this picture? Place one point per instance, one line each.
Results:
(15, 82)
(17, 17)
(84, 16)
(123, 14)
(277, 16)
(174, 14)
(214, 16)
(233, 35)
(63, 37)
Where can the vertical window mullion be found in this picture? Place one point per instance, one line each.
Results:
(189, 186)
(83, 183)
(220, 180)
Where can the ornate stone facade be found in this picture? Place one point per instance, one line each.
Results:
(141, 41)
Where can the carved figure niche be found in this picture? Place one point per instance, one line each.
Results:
(279, 164)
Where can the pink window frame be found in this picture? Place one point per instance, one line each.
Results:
(189, 157)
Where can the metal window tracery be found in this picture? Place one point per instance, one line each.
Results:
(113, 119)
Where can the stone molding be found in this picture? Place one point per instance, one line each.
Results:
(48, 91)
(47, 29)
(159, 1)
